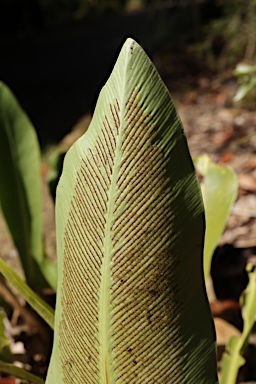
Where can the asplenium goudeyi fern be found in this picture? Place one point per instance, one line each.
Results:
(131, 303)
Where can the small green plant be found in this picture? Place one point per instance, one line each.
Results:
(247, 82)
(233, 358)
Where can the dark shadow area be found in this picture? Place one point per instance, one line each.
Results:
(56, 73)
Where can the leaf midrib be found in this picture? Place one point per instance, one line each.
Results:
(105, 296)
(107, 358)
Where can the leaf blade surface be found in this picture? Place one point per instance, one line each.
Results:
(130, 234)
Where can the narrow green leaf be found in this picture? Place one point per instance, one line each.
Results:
(6, 354)
(50, 272)
(232, 358)
(20, 373)
(131, 302)
(4, 341)
(20, 185)
(219, 188)
(37, 303)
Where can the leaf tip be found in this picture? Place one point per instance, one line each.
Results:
(131, 45)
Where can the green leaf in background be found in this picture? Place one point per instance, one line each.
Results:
(36, 302)
(55, 161)
(232, 358)
(247, 79)
(245, 88)
(219, 189)
(5, 351)
(131, 301)
(6, 354)
(20, 373)
(20, 187)
(4, 341)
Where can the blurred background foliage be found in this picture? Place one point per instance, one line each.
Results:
(231, 36)
(222, 36)
(45, 46)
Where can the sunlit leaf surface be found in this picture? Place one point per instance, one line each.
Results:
(131, 304)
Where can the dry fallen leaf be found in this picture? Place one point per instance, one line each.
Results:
(247, 182)
(250, 164)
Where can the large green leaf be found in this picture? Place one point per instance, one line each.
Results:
(20, 187)
(131, 302)
(219, 189)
